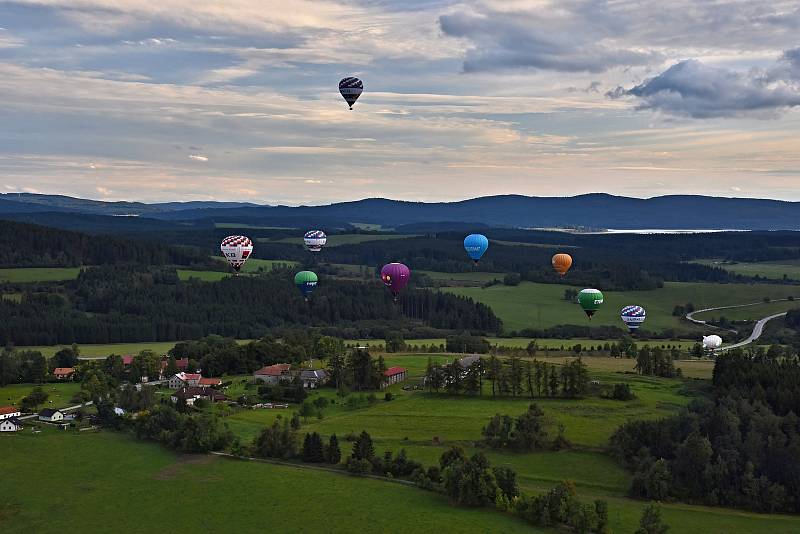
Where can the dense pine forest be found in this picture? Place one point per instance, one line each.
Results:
(126, 303)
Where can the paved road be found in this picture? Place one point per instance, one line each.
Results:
(757, 329)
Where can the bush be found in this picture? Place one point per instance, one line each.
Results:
(358, 466)
(388, 396)
(622, 392)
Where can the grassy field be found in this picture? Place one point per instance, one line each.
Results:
(336, 240)
(59, 393)
(476, 277)
(66, 482)
(39, 274)
(522, 342)
(426, 424)
(767, 269)
(532, 305)
(106, 349)
(750, 313)
(253, 265)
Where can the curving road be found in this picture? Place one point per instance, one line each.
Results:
(758, 328)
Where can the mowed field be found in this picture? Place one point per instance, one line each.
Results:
(66, 482)
(39, 274)
(425, 424)
(767, 269)
(750, 313)
(534, 305)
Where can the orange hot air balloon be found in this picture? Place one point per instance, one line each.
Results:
(562, 263)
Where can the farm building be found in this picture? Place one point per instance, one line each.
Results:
(6, 412)
(10, 424)
(209, 382)
(191, 394)
(313, 378)
(393, 375)
(51, 415)
(273, 374)
(467, 361)
(182, 380)
(63, 373)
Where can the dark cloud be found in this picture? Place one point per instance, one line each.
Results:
(692, 88)
(511, 40)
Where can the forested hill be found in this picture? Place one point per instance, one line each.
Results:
(111, 304)
(591, 211)
(27, 245)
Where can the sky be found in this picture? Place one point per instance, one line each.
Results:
(238, 100)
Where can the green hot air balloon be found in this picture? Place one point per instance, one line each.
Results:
(590, 300)
(306, 282)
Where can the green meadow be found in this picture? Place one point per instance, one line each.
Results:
(252, 266)
(39, 274)
(69, 482)
(534, 305)
(106, 349)
(60, 393)
(750, 313)
(766, 269)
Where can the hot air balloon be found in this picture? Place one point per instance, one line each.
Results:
(315, 240)
(476, 245)
(306, 282)
(633, 317)
(590, 300)
(351, 88)
(712, 342)
(395, 276)
(236, 249)
(561, 263)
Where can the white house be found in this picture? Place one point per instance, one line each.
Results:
(10, 424)
(6, 412)
(50, 415)
(182, 380)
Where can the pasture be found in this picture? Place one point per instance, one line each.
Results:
(60, 393)
(775, 270)
(38, 274)
(102, 350)
(534, 305)
(67, 482)
(750, 313)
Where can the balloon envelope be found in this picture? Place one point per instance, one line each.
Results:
(395, 276)
(236, 249)
(351, 88)
(633, 317)
(306, 282)
(590, 300)
(712, 342)
(561, 263)
(315, 240)
(476, 245)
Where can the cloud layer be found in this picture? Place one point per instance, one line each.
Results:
(238, 100)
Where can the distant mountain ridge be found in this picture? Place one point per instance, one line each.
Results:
(596, 210)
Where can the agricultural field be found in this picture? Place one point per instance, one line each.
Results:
(533, 305)
(107, 482)
(542, 343)
(766, 269)
(425, 424)
(253, 265)
(39, 274)
(460, 279)
(59, 393)
(750, 313)
(105, 349)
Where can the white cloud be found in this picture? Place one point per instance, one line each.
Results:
(198, 157)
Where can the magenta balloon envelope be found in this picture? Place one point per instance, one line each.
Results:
(395, 276)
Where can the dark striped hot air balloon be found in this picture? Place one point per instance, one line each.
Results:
(351, 88)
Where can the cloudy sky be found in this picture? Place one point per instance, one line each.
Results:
(238, 100)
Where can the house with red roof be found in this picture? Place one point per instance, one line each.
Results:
(393, 375)
(181, 380)
(209, 382)
(127, 360)
(63, 373)
(7, 412)
(273, 374)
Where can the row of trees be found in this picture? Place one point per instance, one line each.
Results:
(512, 377)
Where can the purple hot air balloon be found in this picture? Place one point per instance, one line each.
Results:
(395, 276)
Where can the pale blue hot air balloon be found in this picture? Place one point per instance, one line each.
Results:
(476, 245)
